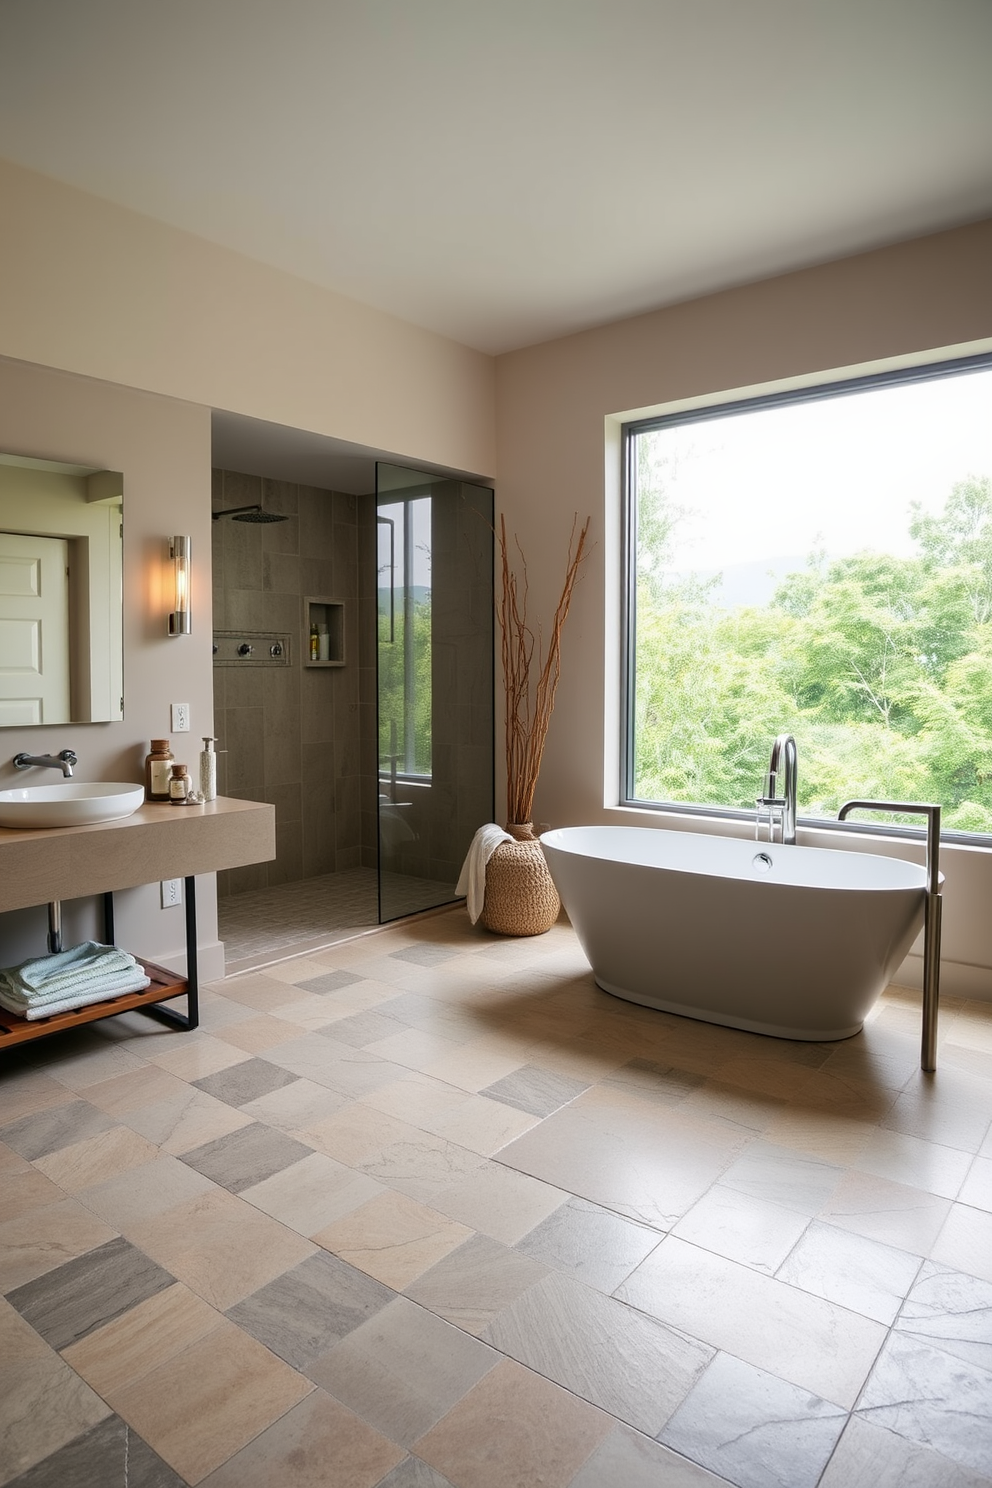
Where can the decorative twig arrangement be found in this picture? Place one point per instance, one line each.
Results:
(529, 703)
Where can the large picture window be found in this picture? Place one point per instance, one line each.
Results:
(818, 563)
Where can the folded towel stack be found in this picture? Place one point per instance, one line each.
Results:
(69, 979)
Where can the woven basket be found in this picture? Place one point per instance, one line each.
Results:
(521, 898)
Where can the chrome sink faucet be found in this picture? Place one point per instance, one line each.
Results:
(784, 762)
(63, 761)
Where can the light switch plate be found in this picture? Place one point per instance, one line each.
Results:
(180, 718)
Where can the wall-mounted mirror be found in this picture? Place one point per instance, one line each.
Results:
(61, 593)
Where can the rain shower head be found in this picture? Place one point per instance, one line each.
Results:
(249, 514)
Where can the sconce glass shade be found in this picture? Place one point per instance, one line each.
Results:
(179, 618)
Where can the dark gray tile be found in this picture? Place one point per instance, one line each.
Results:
(589, 1243)
(950, 1311)
(246, 1157)
(363, 1028)
(332, 981)
(71, 1301)
(109, 1455)
(633, 1366)
(245, 1082)
(537, 1091)
(413, 1473)
(306, 1311)
(755, 1429)
(475, 1282)
(425, 955)
(932, 1398)
(48, 1131)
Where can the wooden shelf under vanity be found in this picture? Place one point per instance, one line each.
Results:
(164, 986)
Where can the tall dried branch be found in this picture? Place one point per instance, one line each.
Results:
(530, 700)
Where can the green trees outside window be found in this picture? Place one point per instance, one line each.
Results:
(879, 662)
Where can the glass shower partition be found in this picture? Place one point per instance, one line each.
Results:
(434, 682)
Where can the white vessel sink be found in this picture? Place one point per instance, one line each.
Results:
(71, 803)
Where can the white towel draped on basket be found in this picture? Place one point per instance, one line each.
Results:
(472, 879)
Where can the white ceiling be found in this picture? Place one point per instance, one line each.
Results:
(504, 171)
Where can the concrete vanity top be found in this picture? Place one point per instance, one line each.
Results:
(158, 841)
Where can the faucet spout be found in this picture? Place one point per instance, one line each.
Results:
(63, 761)
(784, 762)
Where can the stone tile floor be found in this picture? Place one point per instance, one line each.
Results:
(426, 1208)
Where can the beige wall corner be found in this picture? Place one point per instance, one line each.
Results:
(93, 288)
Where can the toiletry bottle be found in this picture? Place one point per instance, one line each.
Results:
(314, 641)
(208, 769)
(179, 785)
(324, 639)
(157, 771)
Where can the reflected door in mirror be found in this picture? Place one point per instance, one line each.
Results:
(34, 630)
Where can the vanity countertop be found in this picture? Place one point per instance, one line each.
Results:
(159, 841)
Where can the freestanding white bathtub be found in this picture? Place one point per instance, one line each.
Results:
(797, 942)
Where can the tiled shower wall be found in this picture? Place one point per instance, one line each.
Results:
(302, 738)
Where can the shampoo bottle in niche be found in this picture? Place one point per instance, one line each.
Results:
(208, 769)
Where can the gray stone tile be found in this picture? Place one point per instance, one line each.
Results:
(932, 1398)
(537, 1091)
(475, 1282)
(626, 1459)
(245, 1082)
(862, 1274)
(66, 1304)
(331, 981)
(783, 1176)
(246, 1156)
(304, 1312)
(952, 1312)
(403, 1370)
(363, 1028)
(590, 1244)
(755, 1429)
(868, 1456)
(413, 1473)
(97, 1460)
(611, 1355)
(426, 954)
(49, 1131)
(658, 1082)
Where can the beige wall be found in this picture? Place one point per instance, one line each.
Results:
(163, 448)
(94, 288)
(558, 454)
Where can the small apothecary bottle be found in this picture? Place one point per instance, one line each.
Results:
(179, 785)
(157, 771)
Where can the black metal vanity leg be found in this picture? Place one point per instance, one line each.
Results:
(192, 983)
(108, 919)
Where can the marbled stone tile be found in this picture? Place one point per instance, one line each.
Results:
(360, 1029)
(627, 1459)
(412, 1472)
(403, 1369)
(312, 1193)
(425, 954)
(933, 1398)
(500, 1202)
(24, 1190)
(96, 1158)
(24, 1093)
(43, 1238)
(475, 1282)
(48, 1130)
(950, 1311)
(965, 1241)
(782, 1176)
(296, 1105)
(606, 1353)
(330, 981)
(741, 1227)
(892, 1213)
(71, 1301)
(124, 1350)
(754, 1429)
(393, 1238)
(514, 1427)
(590, 1244)
(905, 1159)
(241, 1083)
(316, 1444)
(654, 1081)
(858, 1273)
(811, 1342)
(869, 1456)
(535, 1090)
(44, 1404)
(977, 1187)
(99, 1456)
(304, 1312)
(246, 1156)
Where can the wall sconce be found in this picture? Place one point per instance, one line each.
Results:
(179, 618)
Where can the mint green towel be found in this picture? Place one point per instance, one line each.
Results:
(52, 978)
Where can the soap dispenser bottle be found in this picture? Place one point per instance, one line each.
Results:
(208, 769)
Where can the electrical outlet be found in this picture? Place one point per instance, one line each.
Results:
(180, 718)
(172, 892)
